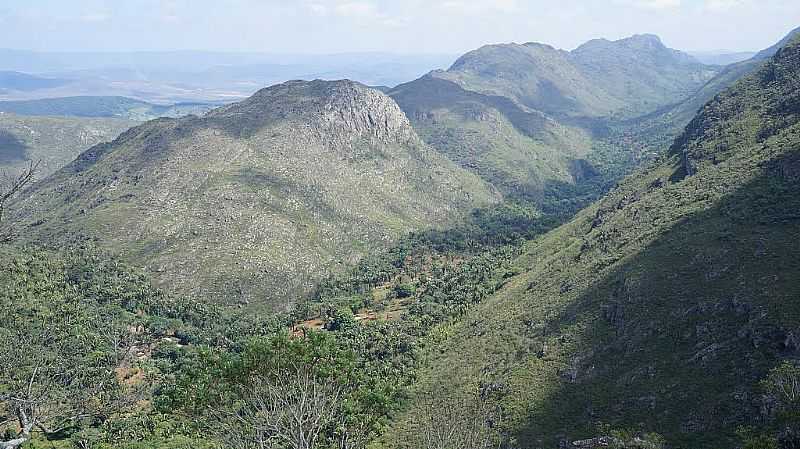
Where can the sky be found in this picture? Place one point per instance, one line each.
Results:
(397, 26)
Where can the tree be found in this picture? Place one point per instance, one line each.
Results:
(281, 392)
(784, 383)
(9, 188)
(470, 422)
(782, 429)
(56, 370)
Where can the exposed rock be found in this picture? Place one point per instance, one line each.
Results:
(257, 201)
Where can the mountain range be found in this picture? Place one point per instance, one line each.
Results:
(196, 76)
(659, 308)
(315, 175)
(533, 248)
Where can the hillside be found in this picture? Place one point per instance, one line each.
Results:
(658, 309)
(258, 199)
(629, 77)
(520, 151)
(55, 141)
(660, 128)
(544, 126)
(119, 107)
(535, 75)
(641, 72)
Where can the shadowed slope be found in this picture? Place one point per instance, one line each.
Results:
(660, 307)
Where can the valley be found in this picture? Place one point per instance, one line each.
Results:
(533, 248)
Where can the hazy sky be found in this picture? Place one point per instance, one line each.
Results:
(406, 26)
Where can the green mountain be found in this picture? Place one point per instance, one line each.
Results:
(535, 75)
(630, 76)
(546, 126)
(658, 309)
(519, 150)
(121, 107)
(55, 141)
(641, 72)
(660, 128)
(256, 201)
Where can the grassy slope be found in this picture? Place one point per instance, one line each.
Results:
(55, 141)
(628, 77)
(543, 125)
(660, 307)
(535, 75)
(256, 201)
(516, 149)
(641, 72)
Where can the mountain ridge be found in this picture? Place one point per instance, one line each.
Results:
(258, 198)
(597, 335)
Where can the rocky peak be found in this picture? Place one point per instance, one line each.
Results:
(643, 40)
(335, 109)
(638, 42)
(648, 46)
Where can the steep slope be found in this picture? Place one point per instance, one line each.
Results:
(54, 141)
(641, 72)
(256, 201)
(120, 107)
(660, 307)
(519, 150)
(535, 75)
(543, 125)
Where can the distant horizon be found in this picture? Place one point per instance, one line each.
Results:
(412, 27)
(363, 52)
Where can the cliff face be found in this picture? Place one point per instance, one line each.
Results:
(255, 201)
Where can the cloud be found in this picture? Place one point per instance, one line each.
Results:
(480, 6)
(367, 12)
(95, 17)
(318, 9)
(723, 5)
(357, 9)
(171, 11)
(654, 4)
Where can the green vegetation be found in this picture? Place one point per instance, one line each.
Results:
(555, 130)
(658, 309)
(255, 202)
(102, 107)
(420, 310)
(55, 141)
